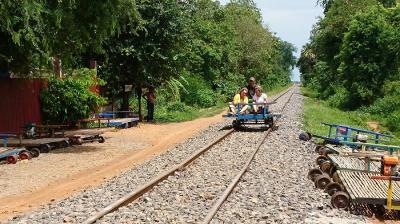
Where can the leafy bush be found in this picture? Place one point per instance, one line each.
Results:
(393, 121)
(339, 99)
(70, 99)
(178, 106)
(388, 107)
(198, 93)
(202, 98)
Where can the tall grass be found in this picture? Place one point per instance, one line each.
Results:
(317, 111)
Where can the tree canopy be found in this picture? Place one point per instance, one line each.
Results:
(194, 51)
(353, 54)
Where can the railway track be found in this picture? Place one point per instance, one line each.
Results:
(191, 170)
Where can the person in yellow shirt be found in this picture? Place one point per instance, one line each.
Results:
(241, 97)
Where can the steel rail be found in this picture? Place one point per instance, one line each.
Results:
(283, 93)
(130, 197)
(210, 215)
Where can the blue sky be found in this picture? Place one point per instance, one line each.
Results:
(291, 20)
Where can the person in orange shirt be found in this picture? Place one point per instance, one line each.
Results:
(239, 98)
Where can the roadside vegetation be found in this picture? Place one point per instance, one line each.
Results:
(317, 111)
(196, 54)
(352, 65)
(182, 112)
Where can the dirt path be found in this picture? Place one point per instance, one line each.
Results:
(53, 176)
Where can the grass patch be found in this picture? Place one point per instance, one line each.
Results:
(164, 115)
(317, 111)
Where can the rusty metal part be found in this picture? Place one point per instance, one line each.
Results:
(313, 173)
(12, 159)
(340, 200)
(332, 188)
(320, 160)
(35, 152)
(322, 181)
(325, 166)
(25, 155)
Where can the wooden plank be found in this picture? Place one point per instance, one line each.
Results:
(351, 163)
(34, 142)
(345, 180)
(363, 189)
(95, 131)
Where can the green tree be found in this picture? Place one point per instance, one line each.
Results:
(65, 101)
(33, 31)
(149, 55)
(22, 30)
(369, 55)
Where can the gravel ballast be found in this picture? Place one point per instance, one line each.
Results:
(80, 206)
(275, 188)
(187, 196)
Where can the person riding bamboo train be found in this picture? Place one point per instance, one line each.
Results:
(259, 97)
(251, 87)
(239, 98)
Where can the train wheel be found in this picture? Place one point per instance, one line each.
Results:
(79, 141)
(321, 181)
(236, 124)
(332, 188)
(335, 178)
(24, 155)
(340, 200)
(322, 151)
(45, 148)
(320, 160)
(12, 159)
(378, 210)
(317, 148)
(63, 144)
(327, 152)
(305, 136)
(332, 171)
(325, 166)
(101, 139)
(35, 152)
(313, 173)
(270, 121)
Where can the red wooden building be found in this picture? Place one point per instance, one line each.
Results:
(19, 103)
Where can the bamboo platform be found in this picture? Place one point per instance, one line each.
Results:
(354, 163)
(34, 142)
(363, 189)
(122, 122)
(88, 132)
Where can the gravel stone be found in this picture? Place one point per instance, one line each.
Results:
(278, 179)
(274, 190)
